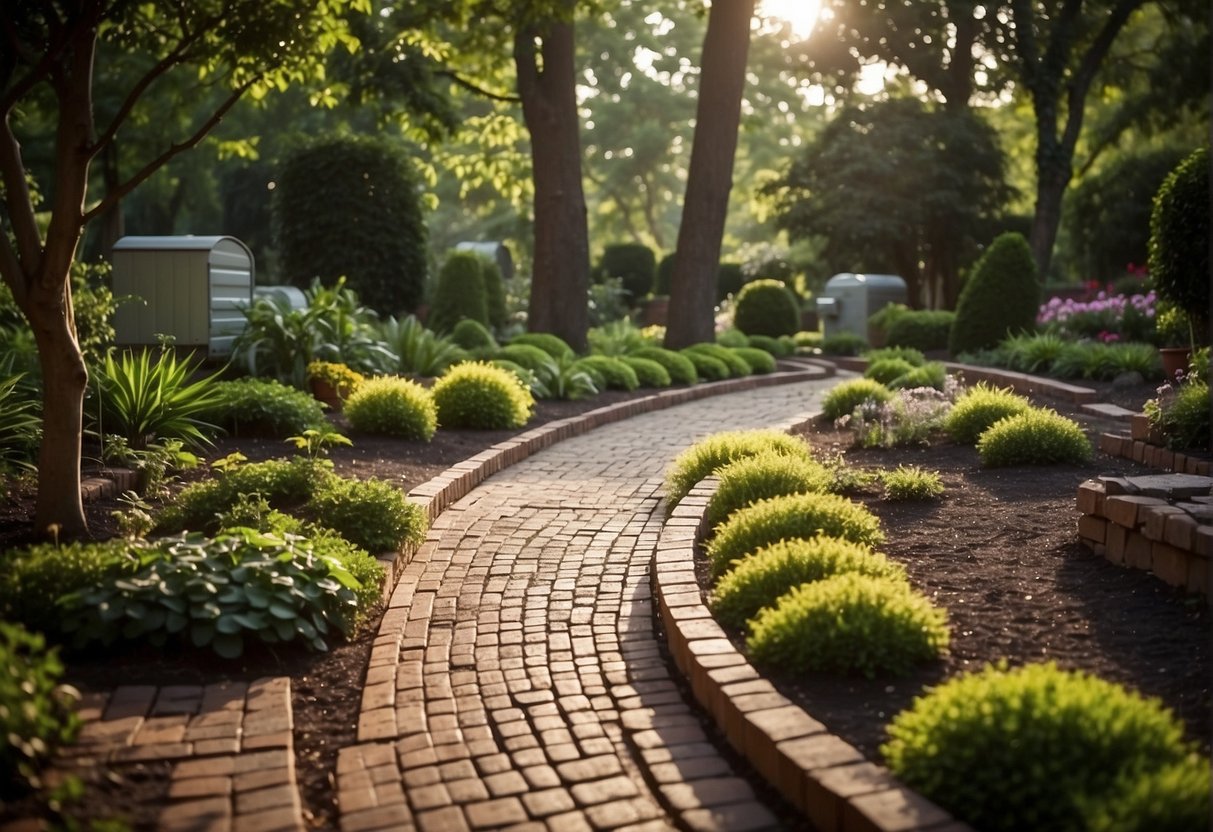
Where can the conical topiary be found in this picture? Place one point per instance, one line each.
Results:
(459, 293)
(1001, 297)
(1179, 239)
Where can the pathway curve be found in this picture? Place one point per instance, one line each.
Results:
(516, 680)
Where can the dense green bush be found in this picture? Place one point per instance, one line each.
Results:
(712, 453)
(551, 344)
(1038, 436)
(481, 396)
(979, 407)
(738, 367)
(664, 277)
(285, 484)
(1032, 353)
(849, 623)
(416, 351)
(845, 397)
(525, 355)
(1182, 414)
(923, 329)
(648, 372)
(1000, 298)
(843, 343)
(759, 579)
(730, 277)
(760, 361)
(884, 370)
(393, 406)
(264, 407)
(707, 367)
(910, 355)
(766, 474)
(732, 337)
(932, 374)
(1172, 798)
(494, 293)
(909, 482)
(634, 264)
(33, 580)
(459, 293)
(372, 514)
(614, 373)
(767, 307)
(472, 335)
(20, 425)
(780, 348)
(1179, 239)
(787, 517)
(680, 368)
(1030, 748)
(351, 207)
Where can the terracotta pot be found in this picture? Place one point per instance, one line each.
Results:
(1175, 360)
(326, 393)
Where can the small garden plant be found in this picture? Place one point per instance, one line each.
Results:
(1036, 437)
(649, 373)
(845, 397)
(394, 407)
(910, 482)
(481, 396)
(979, 407)
(680, 368)
(614, 373)
(341, 378)
(708, 455)
(768, 473)
(264, 407)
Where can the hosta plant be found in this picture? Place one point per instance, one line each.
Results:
(1038, 436)
(393, 407)
(766, 474)
(481, 396)
(710, 454)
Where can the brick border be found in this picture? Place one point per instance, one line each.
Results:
(1143, 444)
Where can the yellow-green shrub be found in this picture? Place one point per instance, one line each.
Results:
(979, 407)
(713, 452)
(481, 396)
(845, 397)
(393, 406)
(768, 473)
(1036, 437)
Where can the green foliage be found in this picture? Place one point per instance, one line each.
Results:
(845, 397)
(648, 372)
(1036, 437)
(93, 306)
(775, 346)
(843, 343)
(1179, 239)
(618, 338)
(481, 396)
(883, 318)
(933, 374)
(564, 378)
(634, 264)
(615, 374)
(922, 329)
(459, 292)
(139, 398)
(494, 294)
(607, 302)
(341, 378)
(759, 579)
(664, 276)
(849, 623)
(1032, 353)
(910, 482)
(910, 355)
(712, 453)
(707, 367)
(285, 484)
(316, 444)
(529, 356)
(20, 425)
(732, 338)
(36, 713)
(767, 473)
(730, 278)
(680, 368)
(1172, 798)
(393, 406)
(738, 368)
(1181, 412)
(760, 361)
(350, 207)
(767, 307)
(1000, 298)
(1096, 360)
(979, 407)
(372, 514)
(1033, 747)
(417, 351)
(264, 407)
(790, 516)
(553, 345)
(885, 370)
(33, 580)
(472, 335)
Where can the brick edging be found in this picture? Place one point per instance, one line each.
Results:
(828, 779)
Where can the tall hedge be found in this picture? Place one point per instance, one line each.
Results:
(665, 275)
(1179, 238)
(767, 307)
(459, 293)
(349, 206)
(1001, 297)
(635, 264)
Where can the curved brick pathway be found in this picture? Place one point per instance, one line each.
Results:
(516, 680)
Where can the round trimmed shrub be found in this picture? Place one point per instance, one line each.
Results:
(886, 370)
(738, 368)
(1038, 436)
(790, 516)
(979, 407)
(494, 293)
(680, 368)
(911, 356)
(634, 264)
(761, 578)
(767, 307)
(760, 362)
(373, 514)
(1179, 238)
(849, 623)
(1029, 748)
(648, 372)
(482, 397)
(775, 346)
(707, 367)
(1000, 298)
(553, 345)
(528, 356)
(843, 343)
(769, 473)
(712, 453)
(1174, 798)
(615, 374)
(922, 329)
(459, 293)
(393, 406)
(932, 374)
(264, 407)
(473, 335)
(732, 338)
(844, 398)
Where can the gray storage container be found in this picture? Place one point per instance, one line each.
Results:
(848, 300)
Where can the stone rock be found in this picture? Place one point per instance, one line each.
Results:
(1171, 486)
(1127, 380)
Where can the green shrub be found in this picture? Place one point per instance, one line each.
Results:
(849, 623)
(1036, 437)
(1000, 298)
(730, 277)
(1032, 353)
(618, 338)
(922, 329)
(909, 482)
(1173, 798)
(525, 355)
(393, 406)
(553, 345)
(36, 713)
(766, 474)
(480, 396)
(911, 356)
(459, 292)
(564, 378)
(732, 338)
(472, 335)
(416, 351)
(883, 318)
(767, 307)
(664, 276)
(979, 407)
(1028, 748)
(712, 453)
(790, 516)
(634, 264)
(20, 425)
(761, 362)
(738, 368)
(648, 372)
(707, 367)
(843, 343)
(886, 370)
(373, 514)
(285, 484)
(1182, 414)
(615, 374)
(759, 579)
(494, 293)
(775, 346)
(679, 367)
(932, 374)
(33, 580)
(845, 397)
(1179, 239)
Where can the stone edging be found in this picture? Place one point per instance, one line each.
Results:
(1143, 445)
(823, 776)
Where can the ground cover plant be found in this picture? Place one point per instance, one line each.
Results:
(1038, 436)
(708, 455)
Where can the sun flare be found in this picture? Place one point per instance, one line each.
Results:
(802, 14)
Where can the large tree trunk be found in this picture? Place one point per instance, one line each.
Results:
(561, 279)
(710, 176)
(1052, 177)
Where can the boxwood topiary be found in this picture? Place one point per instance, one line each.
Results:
(1038, 436)
(849, 623)
(526, 355)
(761, 578)
(481, 396)
(979, 407)
(761, 362)
(923, 329)
(712, 453)
(775, 346)
(707, 367)
(681, 369)
(1179, 239)
(394, 407)
(551, 344)
(634, 264)
(843, 343)
(264, 407)
(767, 473)
(884, 370)
(738, 368)
(793, 515)
(1035, 747)
(458, 293)
(767, 307)
(845, 397)
(648, 372)
(1000, 298)
(615, 374)
(473, 335)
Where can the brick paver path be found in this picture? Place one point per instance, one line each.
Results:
(516, 680)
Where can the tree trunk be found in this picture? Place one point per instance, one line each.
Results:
(710, 176)
(1051, 182)
(561, 279)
